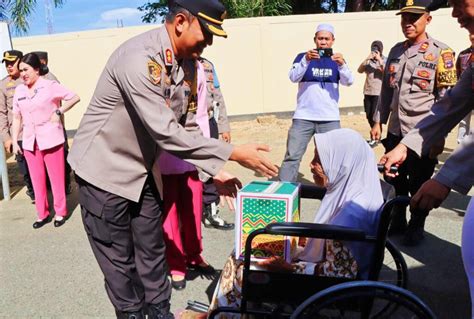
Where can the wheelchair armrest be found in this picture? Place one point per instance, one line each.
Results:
(312, 191)
(316, 231)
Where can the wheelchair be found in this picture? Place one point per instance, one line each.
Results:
(267, 294)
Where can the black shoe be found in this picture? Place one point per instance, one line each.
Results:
(129, 315)
(160, 311)
(203, 270)
(212, 220)
(413, 237)
(31, 194)
(59, 223)
(178, 284)
(40, 224)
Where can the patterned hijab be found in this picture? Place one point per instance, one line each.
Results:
(354, 195)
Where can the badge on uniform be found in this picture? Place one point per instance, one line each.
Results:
(429, 57)
(423, 84)
(169, 56)
(423, 74)
(424, 47)
(154, 72)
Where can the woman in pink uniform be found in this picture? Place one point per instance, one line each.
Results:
(37, 110)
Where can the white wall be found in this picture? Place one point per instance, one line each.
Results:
(253, 63)
(5, 44)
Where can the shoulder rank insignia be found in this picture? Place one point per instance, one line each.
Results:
(169, 56)
(154, 72)
(424, 47)
(429, 57)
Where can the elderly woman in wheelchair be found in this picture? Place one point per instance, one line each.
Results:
(348, 235)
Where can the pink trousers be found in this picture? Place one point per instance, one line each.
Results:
(53, 159)
(182, 197)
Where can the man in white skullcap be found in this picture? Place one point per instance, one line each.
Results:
(318, 73)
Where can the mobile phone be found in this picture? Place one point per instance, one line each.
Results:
(324, 53)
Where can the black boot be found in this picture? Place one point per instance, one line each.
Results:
(415, 230)
(160, 311)
(211, 218)
(129, 315)
(398, 224)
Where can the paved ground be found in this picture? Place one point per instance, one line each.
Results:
(51, 273)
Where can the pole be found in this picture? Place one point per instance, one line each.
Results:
(4, 172)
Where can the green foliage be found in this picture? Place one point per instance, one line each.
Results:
(153, 10)
(255, 8)
(17, 12)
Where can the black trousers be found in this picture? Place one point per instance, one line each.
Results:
(127, 241)
(412, 173)
(67, 166)
(23, 168)
(370, 103)
(210, 194)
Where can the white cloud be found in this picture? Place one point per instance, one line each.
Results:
(127, 16)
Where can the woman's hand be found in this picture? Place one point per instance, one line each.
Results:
(16, 148)
(227, 186)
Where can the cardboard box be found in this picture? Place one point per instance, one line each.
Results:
(260, 203)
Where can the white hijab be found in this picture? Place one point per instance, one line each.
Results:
(354, 195)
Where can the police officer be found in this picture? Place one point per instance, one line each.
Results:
(127, 124)
(47, 74)
(218, 126)
(7, 90)
(418, 72)
(458, 171)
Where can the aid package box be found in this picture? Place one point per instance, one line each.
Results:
(260, 203)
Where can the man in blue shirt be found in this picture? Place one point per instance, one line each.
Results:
(318, 74)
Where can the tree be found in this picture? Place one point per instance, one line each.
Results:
(235, 8)
(17, 12)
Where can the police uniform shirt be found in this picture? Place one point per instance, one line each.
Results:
(129, 120)
(414, 77)
(458, 171)
(7, 90)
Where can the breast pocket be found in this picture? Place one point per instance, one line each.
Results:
(422, 80)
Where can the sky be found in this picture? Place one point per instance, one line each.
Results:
(80, 15)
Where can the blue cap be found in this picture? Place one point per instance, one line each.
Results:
(325, 27)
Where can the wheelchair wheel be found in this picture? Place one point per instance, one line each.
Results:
(361, 299)
(394, 271)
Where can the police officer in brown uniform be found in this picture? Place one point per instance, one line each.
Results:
(7, 90)
(127, 123)
(418, 72)
(218, 127)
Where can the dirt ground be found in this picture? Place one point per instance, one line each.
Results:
(269, 130)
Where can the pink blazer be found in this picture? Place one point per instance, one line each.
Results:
(36, 111)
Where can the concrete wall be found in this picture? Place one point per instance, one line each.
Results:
(252, 64)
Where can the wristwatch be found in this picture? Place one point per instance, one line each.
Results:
(58, 112)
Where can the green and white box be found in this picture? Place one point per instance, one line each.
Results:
(260, 203)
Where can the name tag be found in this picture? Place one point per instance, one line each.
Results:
(22, 98)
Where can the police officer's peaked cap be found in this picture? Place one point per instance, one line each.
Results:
(415, 6)
(436, 4)
(211, 14)
(12, 55)
(42, 55)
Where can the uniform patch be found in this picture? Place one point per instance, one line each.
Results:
(448, 59)
(423, 84)
(428, 65)
(429, 57)
(424, 47)
(154, 72)
(423, 74)
(391, 68)
(169, 56)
